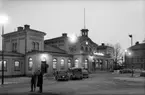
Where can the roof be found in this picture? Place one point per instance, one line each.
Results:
(50, 48)
(138, 46)
(53, 39)
(82, 38)
(24, 31)
(50, 52)
(6, 53)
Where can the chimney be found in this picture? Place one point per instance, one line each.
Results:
(137, 43)
(103, 44)
(19, 28)
(64, 34)
(26, 26)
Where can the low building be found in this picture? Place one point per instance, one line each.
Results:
(135, 56)
(25, 50)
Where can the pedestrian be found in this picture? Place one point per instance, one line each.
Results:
(40, 82)
(33, 81)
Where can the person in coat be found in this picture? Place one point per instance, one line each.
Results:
(40, 82)
(33, 82)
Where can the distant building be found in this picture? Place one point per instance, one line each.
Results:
(136, 56)
(25, 50)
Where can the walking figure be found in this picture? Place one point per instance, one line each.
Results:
(33, 82)
(40, 82)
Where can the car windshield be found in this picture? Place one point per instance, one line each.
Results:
(62, 72)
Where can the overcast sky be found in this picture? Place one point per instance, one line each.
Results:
(108, 21)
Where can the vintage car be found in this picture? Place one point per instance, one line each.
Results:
(85, 73)
(61, 75)
(75, 73)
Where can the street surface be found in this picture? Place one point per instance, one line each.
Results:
(101, 83)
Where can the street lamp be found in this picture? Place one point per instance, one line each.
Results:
(73, 38)
(3, 20)
(130, 54)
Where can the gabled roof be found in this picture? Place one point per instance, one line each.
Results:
(81, 39)
(24, 31)
(7, 53)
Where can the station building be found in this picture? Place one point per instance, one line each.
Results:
(25, 49)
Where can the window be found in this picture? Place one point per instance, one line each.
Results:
(30, 64)
(33, 45)
(82, 48)
(62, 63)
(86, 64)
(54, 63)
(86, 49)
(76, 63)
(14, 47)
(69, 63)
(5, 65)
(37, 46)
(17, 66)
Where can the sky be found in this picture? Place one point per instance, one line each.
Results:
(108, 21)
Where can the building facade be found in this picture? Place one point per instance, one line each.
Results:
(25, 50)
(136, 56)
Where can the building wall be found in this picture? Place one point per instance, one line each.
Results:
(49, 60)
(10, 62)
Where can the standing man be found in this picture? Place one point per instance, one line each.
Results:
(40, 82)
(33, 82)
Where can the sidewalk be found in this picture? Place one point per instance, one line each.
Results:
(127, 77)
(16, 80)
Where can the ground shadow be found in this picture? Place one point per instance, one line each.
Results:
(31, 93)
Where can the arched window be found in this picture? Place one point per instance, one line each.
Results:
(82, 48)
(86, 64)
(17, 66)
(69, 63)
(30, 64)
(54, 63)
(37, 46)
(33, 45)
(76, 63)
(5, 65)
(62, 63)
(86, 49)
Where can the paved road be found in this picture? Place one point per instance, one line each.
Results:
(100, 83)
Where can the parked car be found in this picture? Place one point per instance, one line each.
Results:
(126, 71)
(75, 73)
(61, 75)
(85, 73)
(142, 74)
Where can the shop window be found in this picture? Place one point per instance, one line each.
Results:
(30, 64)
(5, 65)
(76, 63)
(69, 63)
(17, 66)
(54, 63)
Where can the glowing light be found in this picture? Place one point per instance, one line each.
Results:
(3, 19)
(100, 54)
(126, 50)
(86, 43)
(129, 53)
(43, 57)
(73, 38)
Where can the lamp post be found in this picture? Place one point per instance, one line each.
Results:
(131, 56)
(3, 20)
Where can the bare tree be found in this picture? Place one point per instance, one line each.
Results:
(117, 52)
